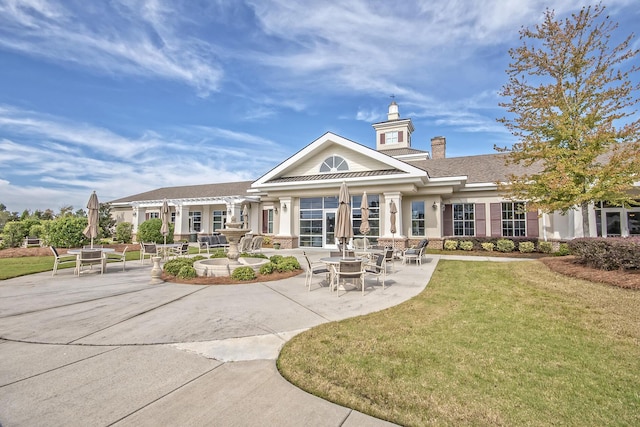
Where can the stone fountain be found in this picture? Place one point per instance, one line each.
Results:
(218, 267)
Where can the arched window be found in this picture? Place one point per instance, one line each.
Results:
(334, 164)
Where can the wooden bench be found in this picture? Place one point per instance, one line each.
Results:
(31, 241)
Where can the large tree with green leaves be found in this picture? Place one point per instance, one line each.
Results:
(572, 107)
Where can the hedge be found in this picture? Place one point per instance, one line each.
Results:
(615, 253)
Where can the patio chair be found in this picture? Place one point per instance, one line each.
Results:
(358, 244)
(245, 243)
(203, 244)
(148, 250)
(256, 244)
(415, 254)
(90, 257)
(379, 268)
(315, 268)
(61, 260)
(118, 257)
(182, 250)
(389, 258)
(222, 242)
(348, 271)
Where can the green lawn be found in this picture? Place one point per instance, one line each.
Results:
(485, 344)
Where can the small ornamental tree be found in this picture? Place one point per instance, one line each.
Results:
(149, 232)
(571, 102)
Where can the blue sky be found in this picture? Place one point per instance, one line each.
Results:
(124, 96)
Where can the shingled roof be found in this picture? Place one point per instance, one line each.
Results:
(337, 175)
(480, 168)
(191, 191)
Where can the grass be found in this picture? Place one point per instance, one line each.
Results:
(484, 344)
(14, 267)
(21, 266)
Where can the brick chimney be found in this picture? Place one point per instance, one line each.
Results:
(438, 147)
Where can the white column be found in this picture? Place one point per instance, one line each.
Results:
(285, 212)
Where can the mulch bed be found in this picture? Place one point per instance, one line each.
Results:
(566, 265)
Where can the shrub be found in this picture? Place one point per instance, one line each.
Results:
(248, 255)
(149, 231)
(276, 258)
(66, 231)
(268, 268)
(466, 245)
(219, 253)
(266, 241)
(243, 273)
(545, 247)
(198, 258)
(563, 250)
(124, 232)
(488, 246)
(14, 233)
(505, 245)
(187, 272)
(36, 230)
(450, 245)
(607, 254)
(174, 266)
(526, 247)
(289, 263)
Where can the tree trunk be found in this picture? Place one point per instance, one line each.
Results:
(585, 219)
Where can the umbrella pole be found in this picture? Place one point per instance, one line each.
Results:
(92, 243)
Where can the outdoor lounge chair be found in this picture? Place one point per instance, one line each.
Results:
(148, 250)
(256, 244)
(348, 271)
(61, 260)
(118, 257)
(314, 268)
(378, 268)
(415, 254)
(90, 257)
(204, 243)
(182, 250)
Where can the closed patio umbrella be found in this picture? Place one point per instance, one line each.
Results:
(165, 214)
(364, 225)
(393, 209)
(93, 214)
(344, 228)
(245, 217)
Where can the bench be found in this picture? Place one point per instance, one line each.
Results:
(31, 241)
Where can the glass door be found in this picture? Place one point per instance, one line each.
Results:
(613, 224)
(329, 228)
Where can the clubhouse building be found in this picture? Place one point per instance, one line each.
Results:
(436, 197)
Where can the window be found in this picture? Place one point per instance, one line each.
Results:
(417, 218)
(463, 219)
(152, 215)
(173, 217)
(267, 221)
(391, 137)
(514, 219)
(334, 164)
(219, 219)
(195, 221)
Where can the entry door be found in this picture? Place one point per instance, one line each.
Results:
(613, 224)
(330, 229)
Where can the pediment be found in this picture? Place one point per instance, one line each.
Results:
(343, 160)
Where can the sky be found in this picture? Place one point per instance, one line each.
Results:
(126, 96)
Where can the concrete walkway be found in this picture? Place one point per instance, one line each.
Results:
(113, 349)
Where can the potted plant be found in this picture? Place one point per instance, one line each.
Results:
(276, 245)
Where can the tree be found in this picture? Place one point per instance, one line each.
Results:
(571, 101)
(105, 220)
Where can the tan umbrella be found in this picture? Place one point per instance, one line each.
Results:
(364, 225)
(93, 215)
(245, 217)
(344, 228)
(392, 219)
(165, 214)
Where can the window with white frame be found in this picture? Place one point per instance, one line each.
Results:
(391, 137)
(417, 218)
(334, 164)
(514, 219)
(219, 218)
(152, 215)
(195, 221)
(463, 219)
(267, 215)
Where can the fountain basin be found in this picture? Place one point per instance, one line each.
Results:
(221, 267)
